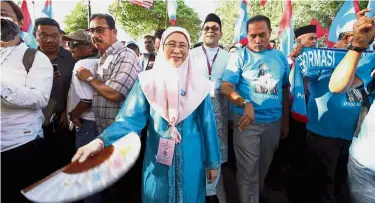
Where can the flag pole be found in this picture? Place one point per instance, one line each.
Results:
(88, 13)
(33, 9)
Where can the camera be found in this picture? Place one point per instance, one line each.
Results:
(9, 29)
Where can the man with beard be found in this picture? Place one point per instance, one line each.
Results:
(213, 61)
(117, 71)
(60, 140)
(25, 90)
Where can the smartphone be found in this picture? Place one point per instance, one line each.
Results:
(54, 67)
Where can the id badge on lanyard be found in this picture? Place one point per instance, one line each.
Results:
(165, 151)
(209, 66)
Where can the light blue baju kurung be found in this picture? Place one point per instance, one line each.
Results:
(185, 180)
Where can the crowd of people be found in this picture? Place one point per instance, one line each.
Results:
(62, 105)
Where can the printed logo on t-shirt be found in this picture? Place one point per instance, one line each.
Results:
(353, 98)
(265, 83)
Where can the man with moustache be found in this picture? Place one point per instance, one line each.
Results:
(213, 61)
(259, 116)
(116, 73)
(295, 144)
(60, 140)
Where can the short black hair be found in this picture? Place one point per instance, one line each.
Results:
(258, 18)
(197, 45)
(150, 37)
(108, 18)
(16, 9)
(159, 33)
(132, 46)
(46, 21)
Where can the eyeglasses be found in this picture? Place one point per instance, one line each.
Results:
(172, 45)
(45, 36)
(213, 28)
(99, 30)
(74, 44)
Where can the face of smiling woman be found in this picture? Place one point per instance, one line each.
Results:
(176, 48)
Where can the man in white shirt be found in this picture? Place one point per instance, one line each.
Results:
(213, 61)
(23, 96)
(80, 94)
(147, 59)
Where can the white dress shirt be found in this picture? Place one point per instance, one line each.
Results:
(23, 96)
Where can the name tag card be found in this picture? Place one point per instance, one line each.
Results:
(165, 151)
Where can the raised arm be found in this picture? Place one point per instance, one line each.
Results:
(344, 77)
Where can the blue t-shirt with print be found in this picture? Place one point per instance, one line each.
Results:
(333, 115)
(259, 78)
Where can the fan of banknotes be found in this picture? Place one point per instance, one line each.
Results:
(79, 180)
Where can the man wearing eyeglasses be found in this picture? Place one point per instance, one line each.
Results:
(80, 44)
(117, 71)
(60, 140)
(213, 61)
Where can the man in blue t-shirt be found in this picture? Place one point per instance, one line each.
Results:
(328, 135)
(255, 81)
(361, 165)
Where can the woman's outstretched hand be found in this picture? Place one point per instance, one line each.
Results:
(90, 149)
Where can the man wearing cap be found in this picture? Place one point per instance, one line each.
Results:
(256, 82)
(213, 61)
(80, 114)
(80, 45)
(306, 35)
(80, 93)
(296, 141)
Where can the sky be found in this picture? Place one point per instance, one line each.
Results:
(61, 8)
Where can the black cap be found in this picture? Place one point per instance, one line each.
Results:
(304, 30)
(213, 18)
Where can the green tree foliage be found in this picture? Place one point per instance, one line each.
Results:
(139, 21)
(303, 13)
(77, 19)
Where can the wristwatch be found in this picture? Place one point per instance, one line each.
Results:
(355, 48)
(244, 103)
(89, 79)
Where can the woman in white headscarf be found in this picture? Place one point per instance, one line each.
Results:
(174, 98)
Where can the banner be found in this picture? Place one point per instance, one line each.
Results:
(286, 32)
(172, 11)
(310, 62)
(144, 3)
(240, 29)
(343, 21)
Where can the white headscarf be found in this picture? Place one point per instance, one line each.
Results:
(174, 92)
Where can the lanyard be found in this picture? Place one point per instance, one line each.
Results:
(209, 66)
